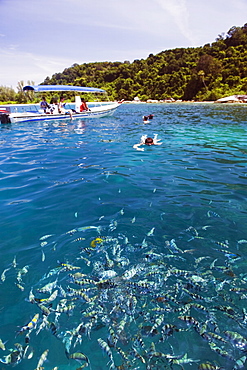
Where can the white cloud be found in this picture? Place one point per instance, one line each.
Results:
(179, 12)
(25, 67)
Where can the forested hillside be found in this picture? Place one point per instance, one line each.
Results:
(202, 73)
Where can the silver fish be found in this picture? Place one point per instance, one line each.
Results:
(42, 359)
(151, 232)
(3, 275)
(2, 345)
(45, 236)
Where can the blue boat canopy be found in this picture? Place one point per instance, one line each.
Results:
(44, 88)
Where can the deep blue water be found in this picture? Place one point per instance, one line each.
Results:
(56, 179)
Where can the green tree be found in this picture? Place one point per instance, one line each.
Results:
(24, 96)
(7, 94)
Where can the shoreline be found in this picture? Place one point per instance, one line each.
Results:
(182, 102)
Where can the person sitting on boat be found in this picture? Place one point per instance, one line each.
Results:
(53, 106)
(62, 110)
(147, 141)
(83, 105)
(44, 105)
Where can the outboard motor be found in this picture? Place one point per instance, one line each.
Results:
(4, 118)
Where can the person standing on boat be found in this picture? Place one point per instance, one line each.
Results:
(62, 110)
(44, 105)
(83, 105)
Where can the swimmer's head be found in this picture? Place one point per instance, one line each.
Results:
(149, 141)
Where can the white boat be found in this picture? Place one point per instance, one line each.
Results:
(233, 99)
(13, 113)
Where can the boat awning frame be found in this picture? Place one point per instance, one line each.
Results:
(44, 88)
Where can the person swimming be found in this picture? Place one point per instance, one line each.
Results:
(147, 141)
(147, 118)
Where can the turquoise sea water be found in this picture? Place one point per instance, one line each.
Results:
(171, 248)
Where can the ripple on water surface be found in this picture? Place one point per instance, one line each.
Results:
(130, 259)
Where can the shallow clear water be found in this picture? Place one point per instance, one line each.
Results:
(56, 179)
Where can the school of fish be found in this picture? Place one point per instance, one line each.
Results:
(179, 305)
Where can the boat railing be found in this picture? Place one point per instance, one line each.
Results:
(98, 104)
(35, 107)
(23, 108)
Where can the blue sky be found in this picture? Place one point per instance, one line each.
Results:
(41, 37)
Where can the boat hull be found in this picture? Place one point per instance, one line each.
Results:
(94, 112)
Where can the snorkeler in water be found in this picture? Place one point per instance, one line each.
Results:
(147, 118)
(147, 141)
